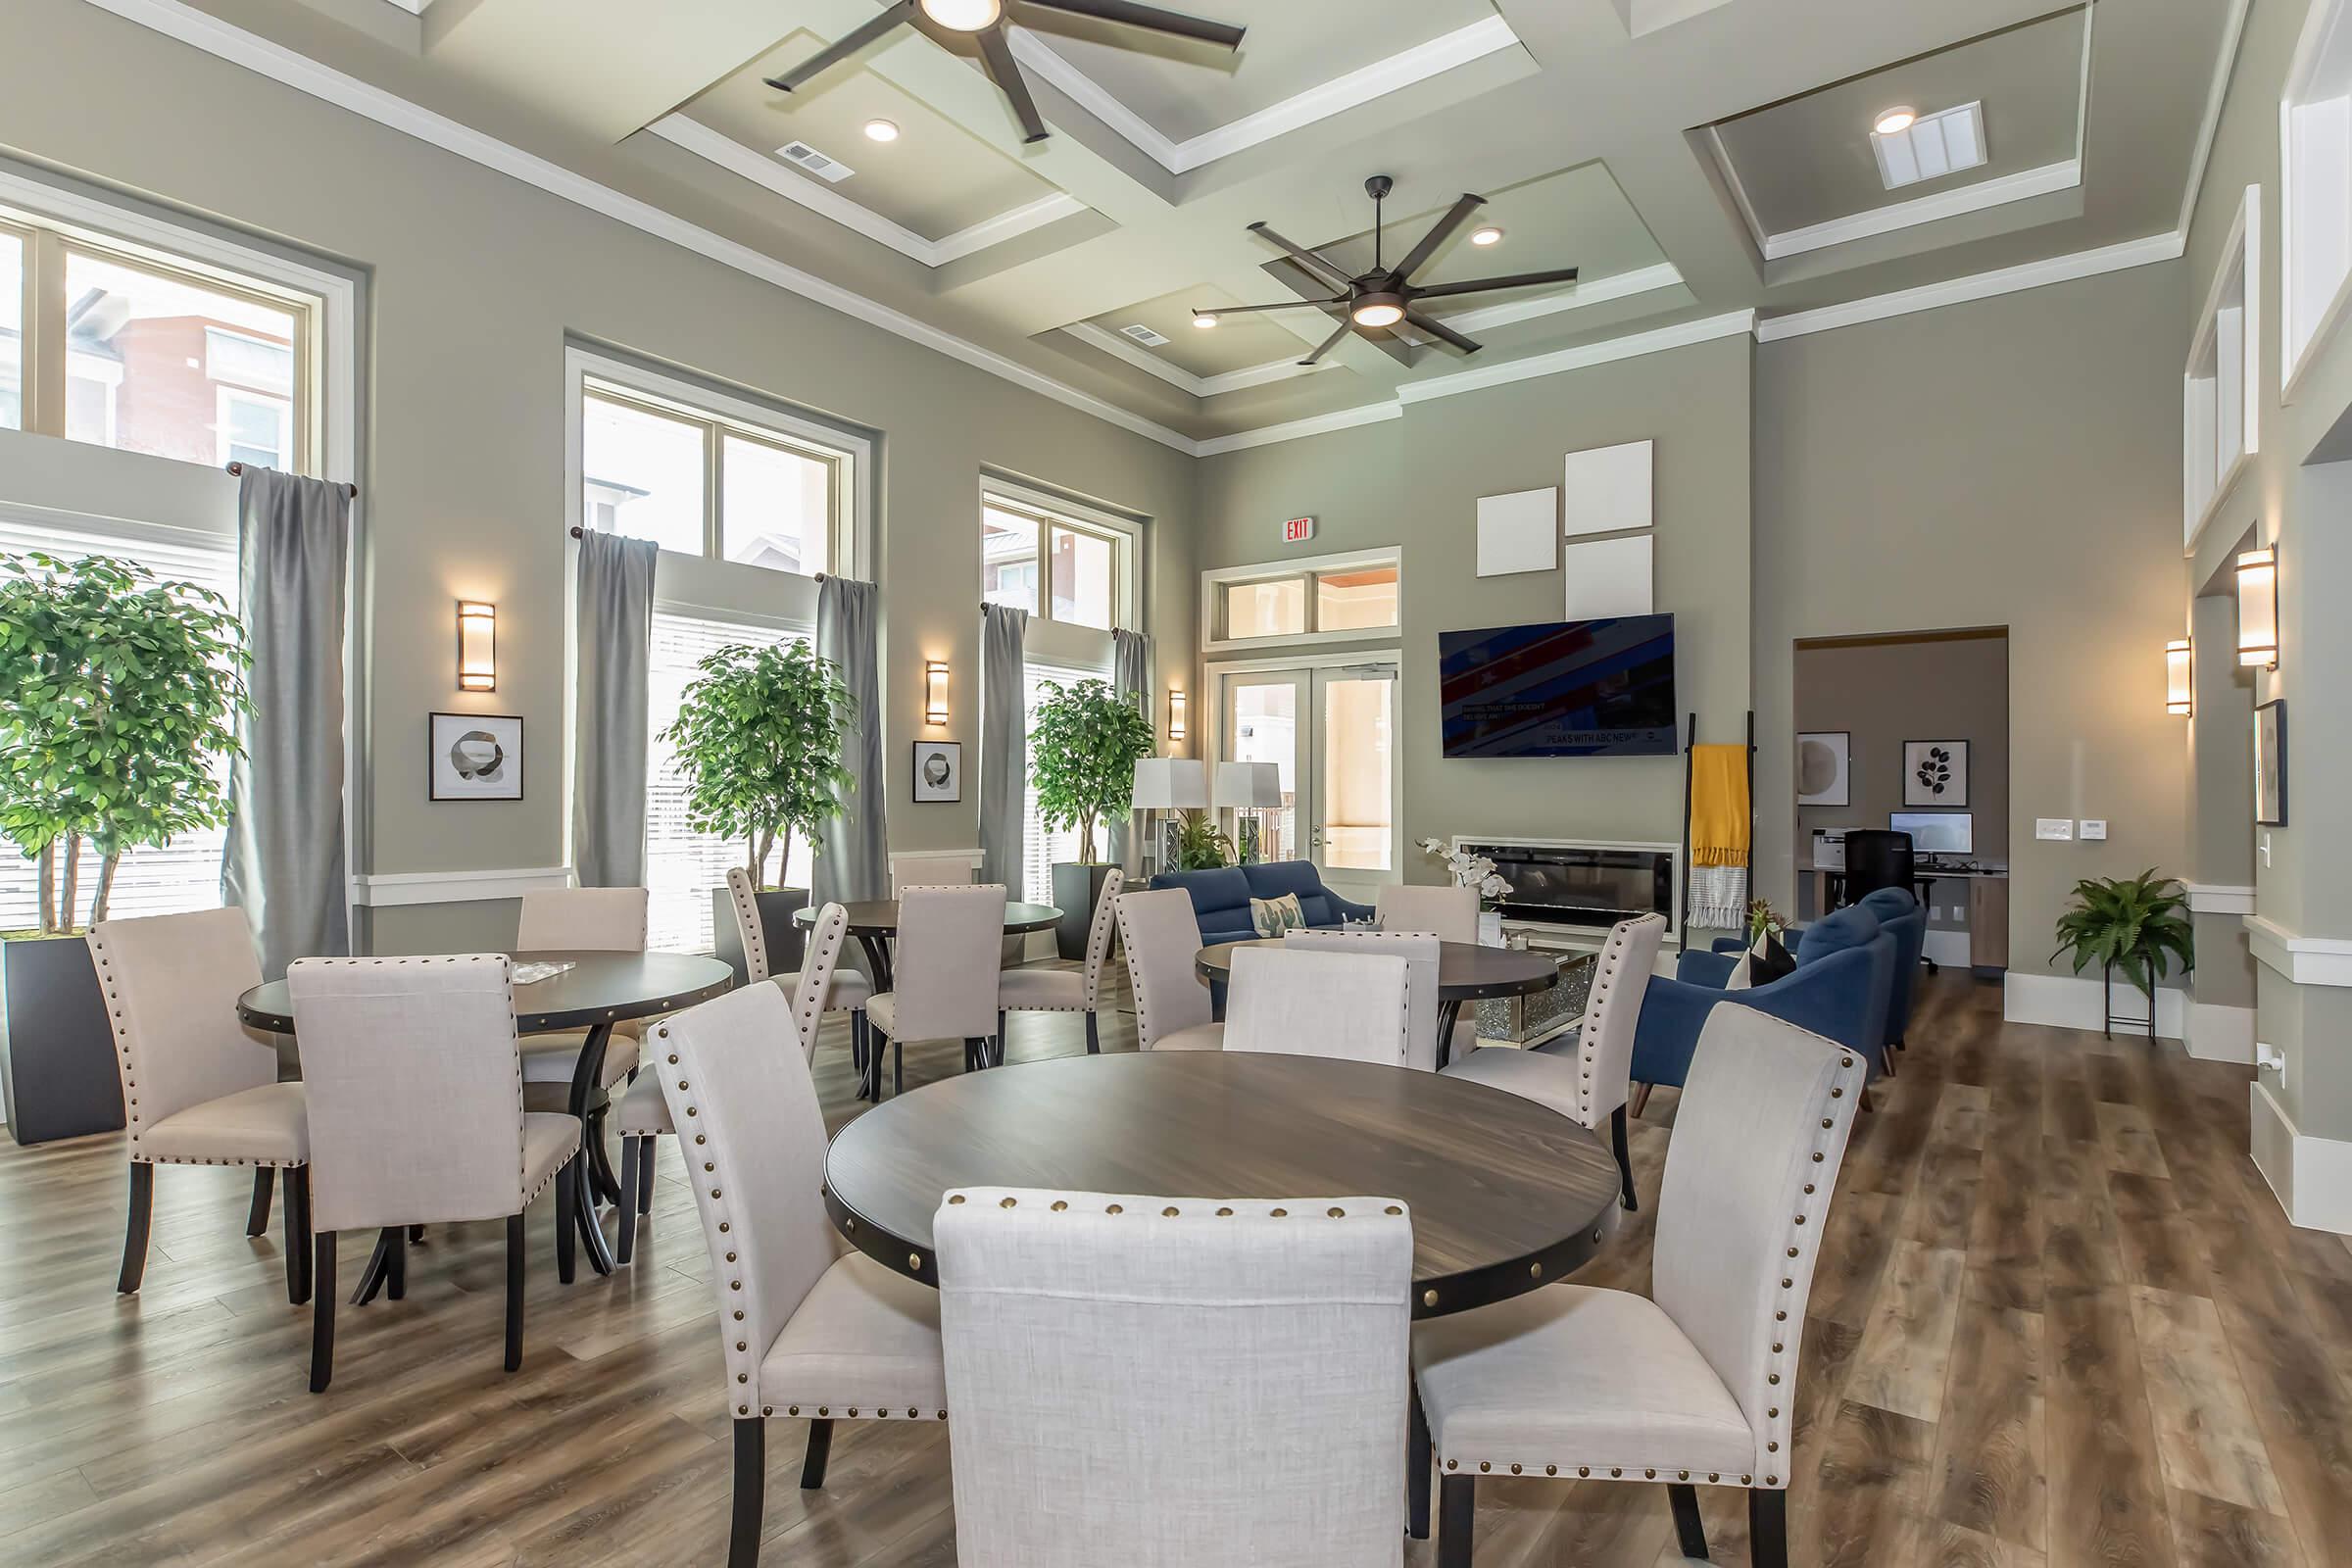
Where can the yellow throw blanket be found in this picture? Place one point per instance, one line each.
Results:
(1719, 806)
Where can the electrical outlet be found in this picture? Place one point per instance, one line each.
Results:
(2059, 828)
(2094, 829)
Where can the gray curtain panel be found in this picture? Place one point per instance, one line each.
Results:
(285, 863)
(1131, 678)
(615, 625)
(853, 859)
(1004, 745)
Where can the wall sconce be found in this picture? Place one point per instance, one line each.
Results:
(478, 638)
(935, 691)
(2176, 699)
(1175, 716)
(2258, 609)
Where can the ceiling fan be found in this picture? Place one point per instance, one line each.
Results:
(1385, 296)
(984, 22)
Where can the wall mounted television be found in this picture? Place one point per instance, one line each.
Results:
(1574, 688)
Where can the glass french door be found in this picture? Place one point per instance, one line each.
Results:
(1331, 733)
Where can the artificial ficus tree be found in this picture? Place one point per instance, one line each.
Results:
(118, 701)
(1084, 742)
(759, 735)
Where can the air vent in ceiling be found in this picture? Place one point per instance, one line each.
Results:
(1142, 334)
(1931, 146)
(804, 157)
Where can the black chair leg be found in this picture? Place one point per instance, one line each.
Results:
(997, 1055)
(1689, 1529)
(645, 1177)
(625, 1247)
(1416, 1471)
(820, 1450)
(322, 1310)
(514, 1254)
(297, 1234)
(751, 1491)
(1625, 1162)
(566, 1222)
(1768, 1528)
(1093, 1036)
(396, 1262)
(898, 1067)
(1457, 1510)
(257, 1219)
(975, 1053)
(135, 1232)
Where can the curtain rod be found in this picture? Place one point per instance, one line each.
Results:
(239, 468)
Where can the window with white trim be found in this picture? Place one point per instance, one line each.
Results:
(1062, 562)
(1353, 596)
(1041, 849)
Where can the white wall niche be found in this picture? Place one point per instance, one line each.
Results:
(2315, 180)
(2221, 392)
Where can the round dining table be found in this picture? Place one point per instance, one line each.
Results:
(1467, 971)
(1505, 1195)
(597, 991)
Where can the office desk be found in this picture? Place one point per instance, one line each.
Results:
(1987, 905)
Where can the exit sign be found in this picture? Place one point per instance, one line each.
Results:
(1297, 530)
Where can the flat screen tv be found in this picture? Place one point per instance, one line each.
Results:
(1574, 688)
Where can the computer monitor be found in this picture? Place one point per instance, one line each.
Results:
(1937, 832)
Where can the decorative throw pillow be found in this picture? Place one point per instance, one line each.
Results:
(1271, 917)
(1764, 963)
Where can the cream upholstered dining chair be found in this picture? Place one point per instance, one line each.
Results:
(850, 990)
(1036, 990)
(806, 1330)
(1419, 950)
(951, 947)
(581, 920)
(644, 1111)
(1300, 1002)
(415, 1079)
(1161, 934)
(198, 1087)
(1694, 1384)
(917, 868)
(1595, 1080)
(1451, 912)
(1174, 1380)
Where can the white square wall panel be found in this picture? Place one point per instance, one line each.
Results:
(1609, 577)
(1606, 489)
(1518, 532)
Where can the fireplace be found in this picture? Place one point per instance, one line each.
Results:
(1585, 886)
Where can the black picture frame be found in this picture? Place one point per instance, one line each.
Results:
(947, 792)
(1921, 793)
(505, 728)
(2270, 763)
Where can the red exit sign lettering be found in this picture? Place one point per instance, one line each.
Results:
(1297, 530)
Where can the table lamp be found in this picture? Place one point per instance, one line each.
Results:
(1170, 784)
(1248, 788)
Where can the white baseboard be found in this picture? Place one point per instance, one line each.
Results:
(2072, 1002)
(1950, 948)
(387, 890)
(2217, 1033)
(2311, 1176)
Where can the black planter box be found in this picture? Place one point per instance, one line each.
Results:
(56, 1075)
(784, 940)
(1076, 891)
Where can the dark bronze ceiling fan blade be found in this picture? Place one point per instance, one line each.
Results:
(1456, 215)
(1286, 305)
(1151, 17)
(1479, 285)
(1332, 342)
(1439, 330)
(1312, 260)
(848, 44)
(995, 57)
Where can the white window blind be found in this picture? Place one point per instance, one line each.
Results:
(185, 873)
(1042, 849)
(683, 867)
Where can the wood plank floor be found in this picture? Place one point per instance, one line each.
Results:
(2060, 1320)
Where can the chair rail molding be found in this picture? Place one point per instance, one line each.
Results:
(2306, 960)
(392, 890)
(2219, 898)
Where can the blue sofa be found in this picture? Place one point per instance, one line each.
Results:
(1221, 898)
(1840, 990)
(1900, 916)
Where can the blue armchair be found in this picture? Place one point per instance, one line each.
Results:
(1840, 990)
(1902, 917)
(1221, 898)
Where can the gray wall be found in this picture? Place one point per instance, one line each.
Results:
(1415, 482)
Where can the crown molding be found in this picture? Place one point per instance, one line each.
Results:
(1599, 291)
(2023, 185)
(1731, 324)
(1298, 429)
(2131, 253)
(1200, 386)
(2224, 64)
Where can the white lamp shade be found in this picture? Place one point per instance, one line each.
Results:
(1248, 784)
(1171, 784)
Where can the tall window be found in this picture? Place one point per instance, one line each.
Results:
(1041, 849)
(114, 346)
(682, 866)
(1058, 567)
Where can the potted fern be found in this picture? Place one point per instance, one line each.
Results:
(118, 701)
(759, 736)
(1084, 742)
(2138, 925)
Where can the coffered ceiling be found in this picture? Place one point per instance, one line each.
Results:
(1693, 158)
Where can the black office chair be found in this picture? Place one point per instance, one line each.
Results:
(1875, 858)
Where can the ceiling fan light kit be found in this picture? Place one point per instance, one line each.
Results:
(963, 16)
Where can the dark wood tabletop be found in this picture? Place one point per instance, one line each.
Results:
(1507, 1196)
(1466, 970)
(880, 918)
(599, 988)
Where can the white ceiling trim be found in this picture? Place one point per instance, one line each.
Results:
(414, 8)
(2163, 247)
(1731, 324)
(1200, 386)
(1267, 435)
(1975, 198)
(1336, 96)
(1597, 291)
(681, 130)
(2222, 66)
(257, 54)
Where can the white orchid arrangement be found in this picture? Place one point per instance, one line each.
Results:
(1469, 870)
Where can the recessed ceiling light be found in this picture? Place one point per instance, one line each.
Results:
(1204, 319)
(1488, 236)
(1894, 121)
(881, 130)
(963, 16)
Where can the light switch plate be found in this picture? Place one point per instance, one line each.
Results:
(2054, 827)
(2094, 829)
